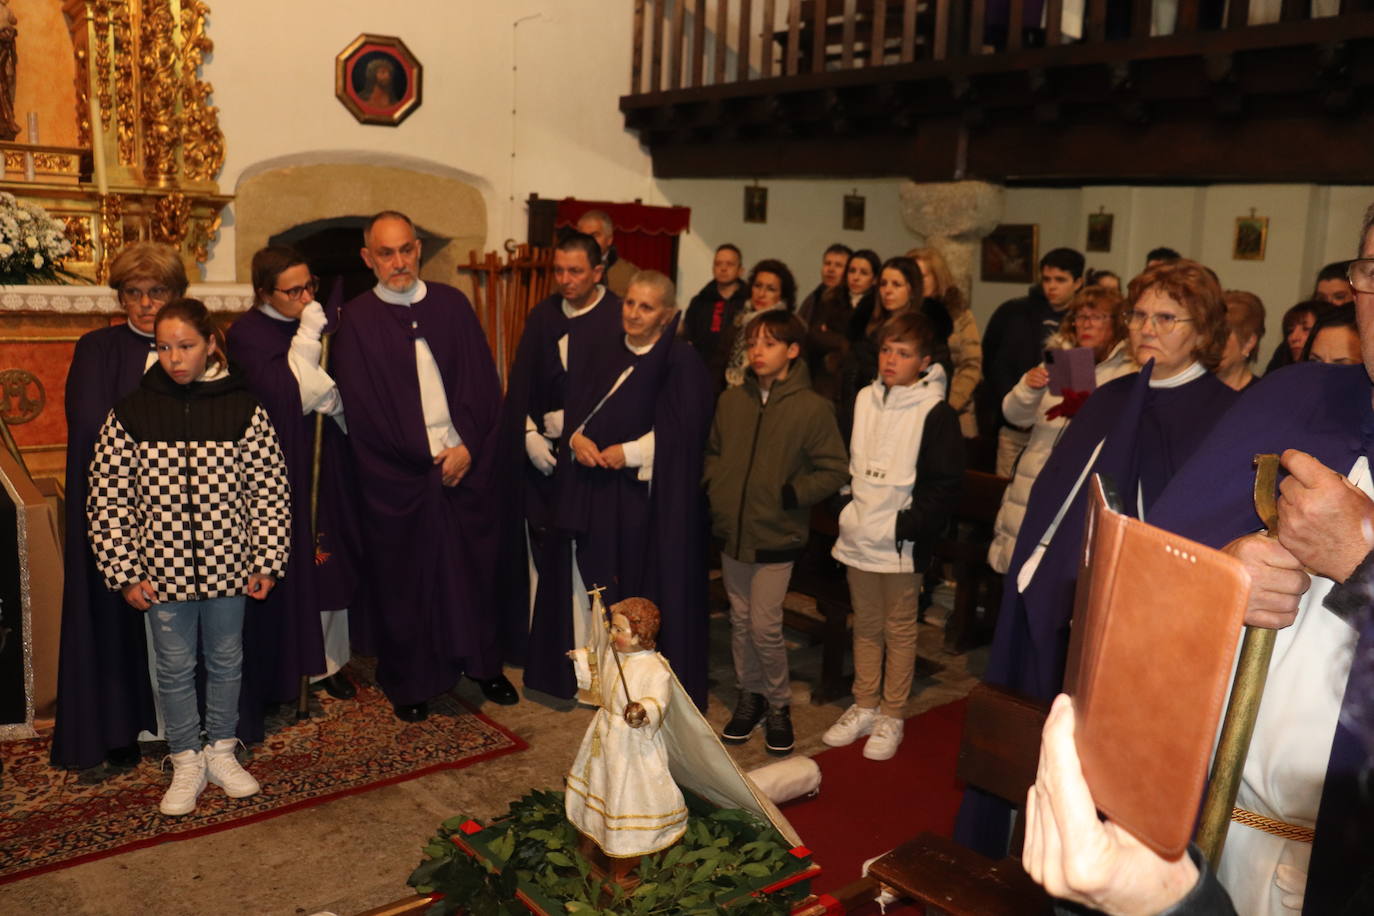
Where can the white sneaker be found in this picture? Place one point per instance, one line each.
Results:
(188, 781)
(887, 735)
(224, 771)
(852, 725)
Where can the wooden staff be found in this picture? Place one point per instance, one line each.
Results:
(303, 700)
(1252, 670)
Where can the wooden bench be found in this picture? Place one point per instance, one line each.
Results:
(999, 754)
(976, 584)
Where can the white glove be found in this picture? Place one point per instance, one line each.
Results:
(540, 452)
(313, 320)
(553, 424)
(1293, 883)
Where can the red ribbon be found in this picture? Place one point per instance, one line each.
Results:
(1066, 408)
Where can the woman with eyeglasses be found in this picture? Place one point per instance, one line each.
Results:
(302, 628)
(1137, 430)
(1095, 318)
(104, 690)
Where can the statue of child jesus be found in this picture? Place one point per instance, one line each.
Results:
(620, 793)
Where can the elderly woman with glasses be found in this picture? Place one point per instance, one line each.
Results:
(104, 691)
(1096, 318)
(302, 628)
(1137, 430)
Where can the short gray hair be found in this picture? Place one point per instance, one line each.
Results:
(601, 217)
(1364, 230)
(658, 282)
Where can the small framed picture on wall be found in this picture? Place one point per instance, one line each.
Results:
(1099, 232)
(1010, 253)
(854, 205)
(755, 204)
(378, 80)
(1252, 234)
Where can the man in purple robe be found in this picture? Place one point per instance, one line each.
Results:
(560, 332)
(416, 374)
(277, 346)
(104, 691)
(627, 513)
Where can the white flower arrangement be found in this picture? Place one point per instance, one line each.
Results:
(32, 243)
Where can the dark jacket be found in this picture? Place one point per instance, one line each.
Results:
(939, 480)
(709, 326)
(827, 340)
(1013, 343)
(768, 463)
(189, 490)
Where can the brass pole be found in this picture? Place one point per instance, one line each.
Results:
(303, 699)
(1252, 670)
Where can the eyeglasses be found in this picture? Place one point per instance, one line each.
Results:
(296, 293)
(1162, 322)
(1360, 273)
(1091, 318)
(132, 295)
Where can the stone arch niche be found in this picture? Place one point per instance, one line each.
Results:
(447, 206)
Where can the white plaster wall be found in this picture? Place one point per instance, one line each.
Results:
(520, 96)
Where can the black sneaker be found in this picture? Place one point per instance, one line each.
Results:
(749, 712)
(777, 730)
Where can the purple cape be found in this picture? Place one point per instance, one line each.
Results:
(104, 693)
(537, 384)
(1149, 433)
(1326, 412)
(282, 635)
(633, 538)
(432, 549)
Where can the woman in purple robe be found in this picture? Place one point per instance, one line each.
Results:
(1138, 430)
(277, 346)
(104, 691)
(628, 509)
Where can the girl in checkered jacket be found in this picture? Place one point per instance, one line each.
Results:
(190, 510)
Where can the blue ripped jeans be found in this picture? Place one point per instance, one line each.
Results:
(175, 624)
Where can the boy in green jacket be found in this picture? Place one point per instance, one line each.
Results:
(775, 451)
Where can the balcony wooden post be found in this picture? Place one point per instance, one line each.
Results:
(1186, 21)
(1097, 21)
(637, 55)
(1054, 22)
(847, 39)
(818, 36)
(656, 57)
(675, 44)
(698, 41)
(1140, 17)
(877, 49)
(1238, 16)
(977, 17)
(722, 27)
(746, 40)
(1015, 10)
(1295, 10)
(940, 47)
(909, 31)
(793, 37)
(766, 38)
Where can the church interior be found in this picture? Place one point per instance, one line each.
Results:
(1231, 132)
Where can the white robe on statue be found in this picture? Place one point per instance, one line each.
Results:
(620, 792)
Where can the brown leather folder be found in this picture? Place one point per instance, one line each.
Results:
(1156, 622)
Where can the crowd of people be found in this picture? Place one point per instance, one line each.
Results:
(348, 478)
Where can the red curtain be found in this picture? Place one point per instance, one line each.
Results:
(643, 234)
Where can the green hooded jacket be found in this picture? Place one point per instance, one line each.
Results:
(768, 463)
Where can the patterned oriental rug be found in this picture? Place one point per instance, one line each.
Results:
(53, 819)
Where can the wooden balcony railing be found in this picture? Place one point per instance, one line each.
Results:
(689, 44)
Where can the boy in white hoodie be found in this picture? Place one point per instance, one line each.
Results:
(906, 465)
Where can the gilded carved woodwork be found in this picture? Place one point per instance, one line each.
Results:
(100, 15)
(202, 142)
(170, 217)
(77, 229)
(126, 103)
(157, 68)
(111, 231)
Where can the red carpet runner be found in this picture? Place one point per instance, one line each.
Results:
(51, 820)
(866, 807)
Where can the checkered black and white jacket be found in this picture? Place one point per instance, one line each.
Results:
(189, 490)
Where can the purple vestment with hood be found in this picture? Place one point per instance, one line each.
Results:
(634, 538)
(104, 692)
(430, 549)
(536, 385)
(282, 636)
(1149, 433)
(1326, 412)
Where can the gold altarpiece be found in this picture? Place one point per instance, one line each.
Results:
(147, 151)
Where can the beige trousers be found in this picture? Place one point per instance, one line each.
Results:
(884, 638)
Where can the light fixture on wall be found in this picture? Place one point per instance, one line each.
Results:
(755, 203)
